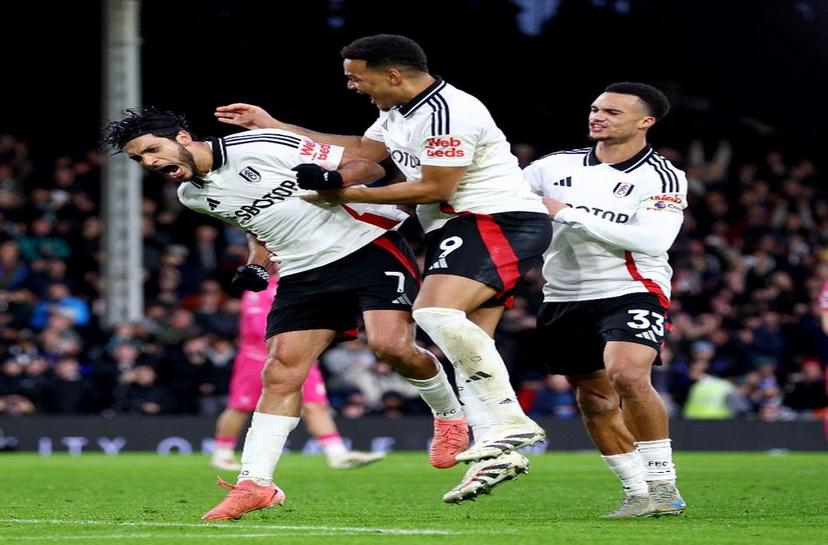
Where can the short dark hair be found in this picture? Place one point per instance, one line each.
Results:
(656, 101)
(140, 121)
(386, 50)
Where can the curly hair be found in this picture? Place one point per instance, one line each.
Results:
(140, 121)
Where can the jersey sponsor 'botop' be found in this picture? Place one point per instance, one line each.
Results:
(251, 185)
(622, 219)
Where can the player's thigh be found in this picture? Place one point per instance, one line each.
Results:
(487, 318)
(633, 328)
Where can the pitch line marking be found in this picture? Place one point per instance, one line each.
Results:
(231, 525)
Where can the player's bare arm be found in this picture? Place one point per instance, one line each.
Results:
(438, 184)
(251, 116)
(554, 206)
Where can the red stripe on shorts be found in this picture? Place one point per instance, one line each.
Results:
(389, 247)
(500, 251)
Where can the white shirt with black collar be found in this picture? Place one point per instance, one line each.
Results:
(444, 126)
(252, 186)
(622, 219)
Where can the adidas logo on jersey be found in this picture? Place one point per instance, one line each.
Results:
(649, 335)
(402, 300)
(565, 182)
(213, 203)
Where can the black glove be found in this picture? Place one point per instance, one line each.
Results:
(311, 176)
(250, 278)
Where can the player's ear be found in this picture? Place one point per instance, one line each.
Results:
(184, 138)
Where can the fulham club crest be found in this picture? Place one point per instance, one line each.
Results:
(622, 189)
(250, 174)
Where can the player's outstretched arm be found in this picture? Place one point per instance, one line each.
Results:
(251, 116)
(352, 170)
(437, 184)
(248, 116)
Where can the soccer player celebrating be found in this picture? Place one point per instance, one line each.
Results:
(617, 208)
(336, 261)
(246, 387)
(484, 228)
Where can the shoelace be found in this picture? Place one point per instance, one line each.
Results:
(454, 435)
(224, 484)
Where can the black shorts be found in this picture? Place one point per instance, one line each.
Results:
(494, 249)
(382, 275)
(572, 335)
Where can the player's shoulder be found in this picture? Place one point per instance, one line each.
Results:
(661, 172)
(261, 138)
(570, 157)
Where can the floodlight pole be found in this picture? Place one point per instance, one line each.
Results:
(123, 269)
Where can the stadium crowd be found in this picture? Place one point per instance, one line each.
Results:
(747, 338)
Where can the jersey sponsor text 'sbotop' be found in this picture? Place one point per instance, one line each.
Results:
(444, 126)
(252, 186)
(622, 219)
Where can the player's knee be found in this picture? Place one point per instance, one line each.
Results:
(628, 379)
(391, 349)
(431, 319)
(282, 375)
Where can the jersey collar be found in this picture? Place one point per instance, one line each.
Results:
(219, 152)
(629, 165)
(411, 106)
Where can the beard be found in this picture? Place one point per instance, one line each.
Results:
(186, 158)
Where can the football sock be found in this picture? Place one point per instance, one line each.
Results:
(630, 471)
(263, 446)
(438, 394)
(332, 445)
(657, 457)
(478, 365)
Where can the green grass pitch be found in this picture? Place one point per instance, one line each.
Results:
(733, 498)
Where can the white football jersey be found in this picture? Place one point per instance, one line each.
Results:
(252, 186)
(622, 219)
(444, 126)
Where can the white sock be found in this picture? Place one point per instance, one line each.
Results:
(473, 354)
(264, 443)
(332, 445)
(438, 394)
(657, 457)
(223, 453)
(475, 411)
(629, 469)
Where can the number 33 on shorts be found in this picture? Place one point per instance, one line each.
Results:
(650, 324)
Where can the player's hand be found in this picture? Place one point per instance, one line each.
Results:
(316, 178)
(332, 197)
(250, 278)
(248, 116)
(554, 206)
